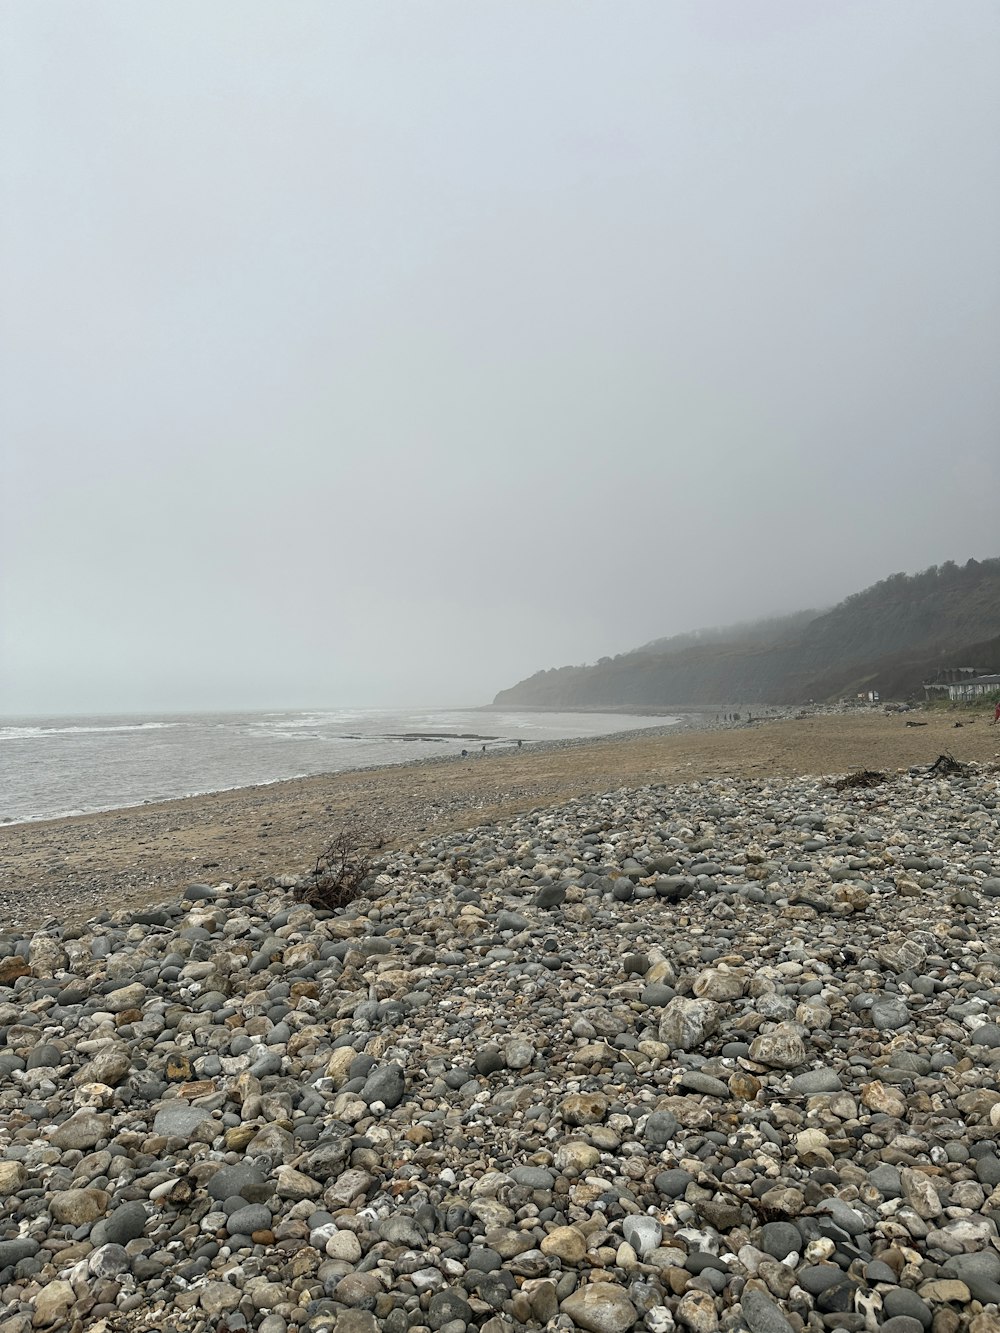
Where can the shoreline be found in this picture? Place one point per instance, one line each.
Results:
(74, 867)
(503, 746)
(497, 743)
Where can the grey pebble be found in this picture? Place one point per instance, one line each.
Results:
(470, 1091)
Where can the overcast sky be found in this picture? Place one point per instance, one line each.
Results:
(378, 353)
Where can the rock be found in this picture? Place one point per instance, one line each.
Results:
(941, 1290)
(900, 953)
(218, 1298)
(83, 1130)
(52, 1303)
(761, 1313)
(108, 1261)
(12, 1177)
(490, 1059)
(883, 1098)
(345, 1246)
(386, 1085)
(13, 1251)
(11, 969)
(518, 1053)
(782, 1048)
(446, 1307)
(816, 1080)
(127, 1222)
(239, 1178)
(79, 1206)
(920, 1194)
(985, 1264)
(889, 1012)
(696, 1311)
(566, 1243)
(358, 1290)
(687, 1024)
(178, 1068)
(584, 1108)
(296, 1185)
(696, 1081)
(356, 1321)
(46, 1055)
(903, 1301)
(126, 997)
(442, 1108)
(672, 1184)
(550, 896)
(780, 1239)
(574, 1158)
(109, 1067)
(339, 1064)
(718, 984)
(644, 1234)
(812, 1146)
(600, 1307)
(181, 1121)
(348, 1186)
(661, 1127)
(245, 1221)
(845, 1217)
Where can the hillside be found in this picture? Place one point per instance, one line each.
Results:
(890, 637)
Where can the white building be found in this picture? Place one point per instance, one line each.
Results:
(963, 691)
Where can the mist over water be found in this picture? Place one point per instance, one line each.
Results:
(51, 766)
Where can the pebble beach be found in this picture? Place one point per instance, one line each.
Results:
(676, 1030)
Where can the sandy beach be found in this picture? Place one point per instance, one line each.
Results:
(72, 868)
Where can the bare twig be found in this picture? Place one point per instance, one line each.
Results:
(341, 870)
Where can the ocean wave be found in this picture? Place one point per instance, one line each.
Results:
(36, 733)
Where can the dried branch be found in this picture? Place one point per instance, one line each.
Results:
(341, 870)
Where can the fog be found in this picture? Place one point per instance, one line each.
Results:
(370, 354)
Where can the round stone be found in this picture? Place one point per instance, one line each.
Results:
(780, 1239)
(600, 1307)
(566, 1243)
(245, 1221)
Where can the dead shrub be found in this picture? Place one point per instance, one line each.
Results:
(946, 765)
(341, 870)
(865, 777)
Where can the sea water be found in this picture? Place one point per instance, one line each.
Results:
(51, 766)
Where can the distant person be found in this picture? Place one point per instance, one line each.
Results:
(996, 713)
(520, 743)
(465, 754)
(483, 751)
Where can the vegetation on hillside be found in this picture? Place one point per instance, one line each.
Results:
(891, 637)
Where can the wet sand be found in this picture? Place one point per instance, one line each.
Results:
(76, 867)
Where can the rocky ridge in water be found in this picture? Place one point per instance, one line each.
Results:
(719, 1056)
